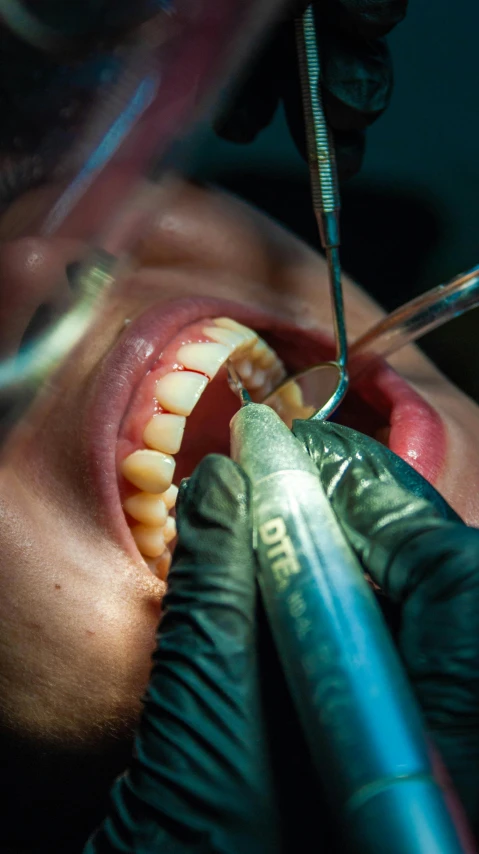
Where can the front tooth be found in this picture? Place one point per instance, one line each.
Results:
(207, 358)
(147, 508)
(150, 541)
(164, 432)
(235, 340)
(229, 323)
(169, 529)
(169, 497)
(150, 471)
(180, 391)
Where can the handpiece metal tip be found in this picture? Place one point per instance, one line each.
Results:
(236, 385)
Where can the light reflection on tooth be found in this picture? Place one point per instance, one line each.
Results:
(150, 471)
(244, 368)
(169, 497)
(207, 358)
(257, 380)
(164, 432)
(150, 541)
(147, 508)
(180, 391)
(225, 336)
(169, 529)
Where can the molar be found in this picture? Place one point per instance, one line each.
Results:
(146, 508)
(164, 432)
(257, 380)
(180, 391)
(150, 541)
(150, 471)
(205, 357)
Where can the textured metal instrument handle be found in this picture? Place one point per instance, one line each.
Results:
(321, 156)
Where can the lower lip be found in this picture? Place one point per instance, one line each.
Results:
(417, 434)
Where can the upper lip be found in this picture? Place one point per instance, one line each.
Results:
(141, 344)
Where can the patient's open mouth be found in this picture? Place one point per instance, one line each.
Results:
(174, 405)
(179, 412)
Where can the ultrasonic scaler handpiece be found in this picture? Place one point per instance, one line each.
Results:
(359, 717)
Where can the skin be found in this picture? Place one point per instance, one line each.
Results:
(78, 614)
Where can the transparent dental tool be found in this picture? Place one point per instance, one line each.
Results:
(303, 394)
(101, 110)
(414, 319)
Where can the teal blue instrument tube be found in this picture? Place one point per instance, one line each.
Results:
(362, 724)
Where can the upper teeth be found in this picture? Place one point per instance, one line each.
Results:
(151, 469)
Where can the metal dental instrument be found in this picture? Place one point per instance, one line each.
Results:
(359, 716)
(326, 205)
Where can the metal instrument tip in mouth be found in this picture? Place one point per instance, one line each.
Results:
(236, 385)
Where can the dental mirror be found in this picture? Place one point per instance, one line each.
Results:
(318, 391)
(313, 393)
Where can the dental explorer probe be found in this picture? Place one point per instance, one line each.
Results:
(359, 717)
(324, 191)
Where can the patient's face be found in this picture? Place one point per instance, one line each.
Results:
(86, 499)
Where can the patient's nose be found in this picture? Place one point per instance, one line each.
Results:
(34, 287)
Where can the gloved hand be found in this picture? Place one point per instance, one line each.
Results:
(200, 779)
(356, 69)
(426, 561)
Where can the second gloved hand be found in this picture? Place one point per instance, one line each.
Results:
(356, 76)
(426, 561)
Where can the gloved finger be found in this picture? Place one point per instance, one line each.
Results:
(424, 558)
(357, 79)
(437, 576)
(353, 97)
(380, 501)
(367, 19)
(200, 768)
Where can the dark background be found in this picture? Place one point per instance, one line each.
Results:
(410, 218)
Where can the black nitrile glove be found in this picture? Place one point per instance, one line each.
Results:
(426, 561)
(200, 780)
(356, 71)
